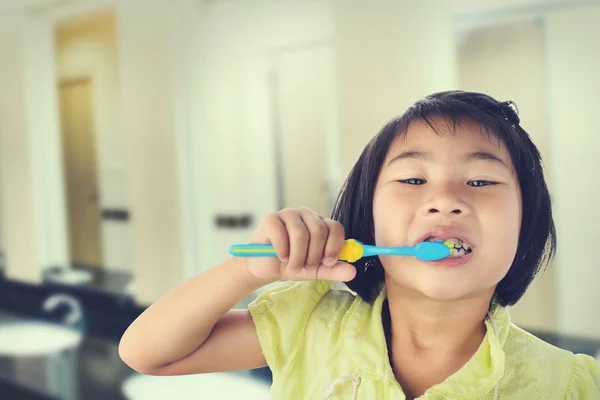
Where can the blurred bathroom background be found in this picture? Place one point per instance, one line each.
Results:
(140, 138)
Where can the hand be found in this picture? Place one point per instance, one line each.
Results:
(307, 247)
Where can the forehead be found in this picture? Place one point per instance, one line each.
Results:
(447, 139)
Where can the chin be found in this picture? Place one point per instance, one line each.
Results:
(444, 292)
(436, 288)
(451, 290)
(443, 283)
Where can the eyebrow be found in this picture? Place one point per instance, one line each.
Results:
(426, 156)
(485, 156)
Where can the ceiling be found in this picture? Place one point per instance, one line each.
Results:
(468, 12)
(457, 6)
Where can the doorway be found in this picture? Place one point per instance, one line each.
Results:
(80, 172)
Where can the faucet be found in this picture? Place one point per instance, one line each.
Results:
(76, 313)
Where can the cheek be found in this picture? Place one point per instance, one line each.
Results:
(504, 225)
(391, 218)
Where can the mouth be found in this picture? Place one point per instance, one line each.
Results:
(460, 248)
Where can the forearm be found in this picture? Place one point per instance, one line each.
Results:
(180, 321)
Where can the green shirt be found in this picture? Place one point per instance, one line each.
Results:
(324, 343)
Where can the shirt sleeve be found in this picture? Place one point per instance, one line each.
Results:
(585, 378)
(280, 315)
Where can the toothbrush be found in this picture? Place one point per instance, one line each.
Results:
(354, 250)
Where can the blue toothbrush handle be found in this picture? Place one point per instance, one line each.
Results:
(252, 250)
(387, 251)
(426, 251)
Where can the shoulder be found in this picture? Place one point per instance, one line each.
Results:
(521, 343)
(585, 378)
(289, 315)
(530, 359)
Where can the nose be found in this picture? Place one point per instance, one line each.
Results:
(446, 203)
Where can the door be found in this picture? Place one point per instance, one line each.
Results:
(300, 83)
(80, 172)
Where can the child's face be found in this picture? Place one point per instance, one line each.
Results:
(445, 191)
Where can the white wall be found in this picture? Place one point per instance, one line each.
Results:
(87, 48)
(573, 63)
(508, 62)
(389, 54)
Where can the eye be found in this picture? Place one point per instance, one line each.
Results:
(479, 183)
(413, 181)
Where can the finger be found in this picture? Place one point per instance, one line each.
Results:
(340, 271)
(335, 242)
(318, 231)
(279, 236)
(298, 238)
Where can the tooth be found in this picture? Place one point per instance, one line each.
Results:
(456, 242)
(433, 239)
(458, 253)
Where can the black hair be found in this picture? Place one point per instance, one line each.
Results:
(537, 238)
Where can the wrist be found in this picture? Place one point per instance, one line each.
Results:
(244, 277)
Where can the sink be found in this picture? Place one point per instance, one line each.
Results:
(29, 342)
(220, 385)
(33, 338)
(71, 277)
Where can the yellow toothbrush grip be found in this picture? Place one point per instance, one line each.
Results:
(352, 251)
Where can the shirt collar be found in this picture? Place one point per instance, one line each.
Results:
(363, 339)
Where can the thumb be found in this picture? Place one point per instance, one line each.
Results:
(340, 271)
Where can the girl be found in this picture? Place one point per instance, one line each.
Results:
(455, 165)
